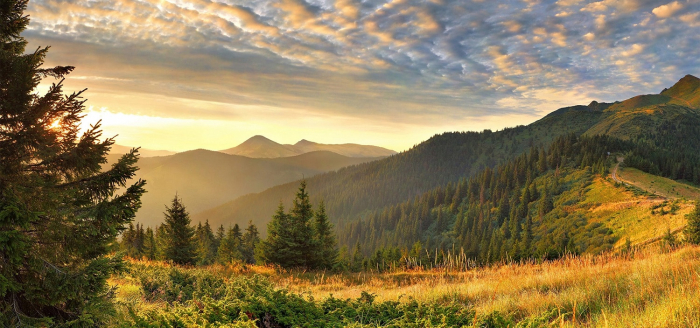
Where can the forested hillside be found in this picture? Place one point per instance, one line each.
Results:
(536, 205)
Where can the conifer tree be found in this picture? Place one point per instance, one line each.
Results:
(692, 231)
(357, 257)
(205, 242)
(149, 245)
(179, 243)
(302, 239)
(251, 239)
(161, 242)
(220, 235)
(229, 250)
(326, 245)
(276, 247)
(59, 211)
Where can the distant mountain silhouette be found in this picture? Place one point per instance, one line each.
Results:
(205, 179)
(120, 150)
(262, 147)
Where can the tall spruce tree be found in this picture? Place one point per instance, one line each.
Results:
(205, 244)
(229, 249)
(251, 239)
(326, 245)
(149, 245)
(692, 231)
(276, 248)
(302, 238)
(59, 211)
(179, 241)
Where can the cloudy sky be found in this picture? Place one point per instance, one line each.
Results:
(184, 74)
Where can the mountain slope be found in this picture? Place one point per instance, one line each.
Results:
(686, 91)
(205, 179)
(261, 147)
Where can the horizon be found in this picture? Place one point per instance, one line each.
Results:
(179, 75)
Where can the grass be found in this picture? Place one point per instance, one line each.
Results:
(645, 288)
(661, 186)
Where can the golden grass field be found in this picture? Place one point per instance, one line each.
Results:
(645, 288)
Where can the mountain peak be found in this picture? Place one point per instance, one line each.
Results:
(304, 142)
(258, 138)
(686, 90)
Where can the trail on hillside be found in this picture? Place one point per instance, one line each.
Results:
(617, 179)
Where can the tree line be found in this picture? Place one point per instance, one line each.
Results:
(178, 241)
(301, 238)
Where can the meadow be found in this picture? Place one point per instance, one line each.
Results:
(650, 287)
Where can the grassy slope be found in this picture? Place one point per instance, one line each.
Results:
(660, 186)
(646, 289)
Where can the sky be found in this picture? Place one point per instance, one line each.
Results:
(186, 74)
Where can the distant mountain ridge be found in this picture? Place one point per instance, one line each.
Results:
(143, 152)
(205, 178)
(261, 147)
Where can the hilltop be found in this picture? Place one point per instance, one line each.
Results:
(262, 147)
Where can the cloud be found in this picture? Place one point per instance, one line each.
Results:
(408, 62)
(667, 10)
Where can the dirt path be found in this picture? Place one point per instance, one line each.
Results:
(614, 172)
(617, 179)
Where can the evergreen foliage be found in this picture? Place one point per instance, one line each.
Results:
(229, 249)
(692, 232)
(296, 240)
(206, 244)
(59, 211)
(502, 213)
(251, 239)
(178, 234)
(326, 255)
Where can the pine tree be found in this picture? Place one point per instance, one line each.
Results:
(302, 238)
(229, 250)
(205, 240)
(275, 248)
(290, 240)
(326, 245)
(161, 242)
(59, 211)
(220, 235)
(357, 258)
(149, 246)
(179, 243)
(251, 239)
(692, 231)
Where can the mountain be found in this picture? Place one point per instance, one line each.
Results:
(120, 150)
(686, 91)
(668, 121)
(349, 149)
(205, 179)
(261, 147)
